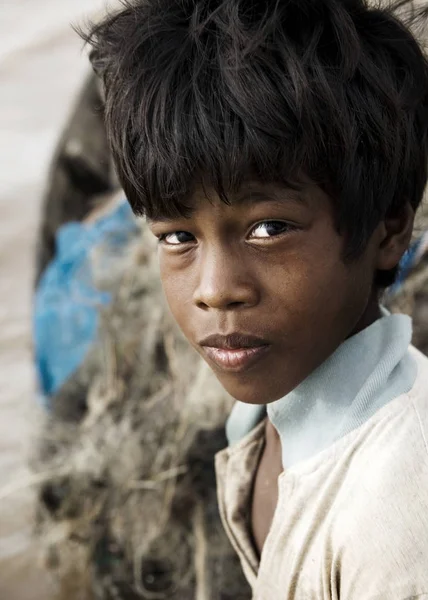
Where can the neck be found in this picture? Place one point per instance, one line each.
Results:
(368, 370)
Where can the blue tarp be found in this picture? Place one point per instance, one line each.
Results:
(67, 301)
(409, 261)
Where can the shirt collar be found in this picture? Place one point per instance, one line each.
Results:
(366, 371)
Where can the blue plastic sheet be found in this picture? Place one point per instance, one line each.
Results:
(67, 301)
(409, 261)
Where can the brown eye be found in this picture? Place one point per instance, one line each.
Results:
(176, 238)
(268, 229)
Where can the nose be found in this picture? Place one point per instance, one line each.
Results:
(224, 283)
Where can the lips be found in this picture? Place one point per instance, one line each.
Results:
(234, 352)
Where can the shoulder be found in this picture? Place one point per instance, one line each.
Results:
(382, 528)
(390, 469)
(394, 441)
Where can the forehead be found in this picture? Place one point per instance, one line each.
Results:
(253, 193)
(206, 199)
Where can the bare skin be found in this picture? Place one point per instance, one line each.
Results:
(265, 490)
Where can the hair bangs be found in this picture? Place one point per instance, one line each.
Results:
(194, 119)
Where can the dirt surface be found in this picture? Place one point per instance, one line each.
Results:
(41, 69)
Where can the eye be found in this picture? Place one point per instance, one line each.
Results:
(176, 238)
(268, 229)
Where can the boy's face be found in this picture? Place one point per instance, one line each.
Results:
(260, 288)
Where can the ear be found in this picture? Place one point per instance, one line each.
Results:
(395, 234)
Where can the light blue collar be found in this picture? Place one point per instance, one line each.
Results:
(366, 372)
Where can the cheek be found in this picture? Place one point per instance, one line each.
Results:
(317, 290)
(305, 276)
(178, 293)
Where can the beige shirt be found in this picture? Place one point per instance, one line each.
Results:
(351, 522)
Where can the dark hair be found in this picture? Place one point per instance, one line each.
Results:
(220, 91)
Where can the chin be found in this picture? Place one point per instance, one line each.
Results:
(250, 393)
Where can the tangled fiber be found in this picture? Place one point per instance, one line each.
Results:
(129, 508)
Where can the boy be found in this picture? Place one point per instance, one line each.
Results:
(279, 150)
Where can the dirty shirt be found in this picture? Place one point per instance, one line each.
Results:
(351, 522)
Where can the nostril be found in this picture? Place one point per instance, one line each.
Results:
(236, 304)
(202, 305)
(226, 295)
(225, 306)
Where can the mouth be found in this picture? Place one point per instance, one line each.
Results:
(235, 352)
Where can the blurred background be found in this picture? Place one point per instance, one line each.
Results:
(42, 68)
